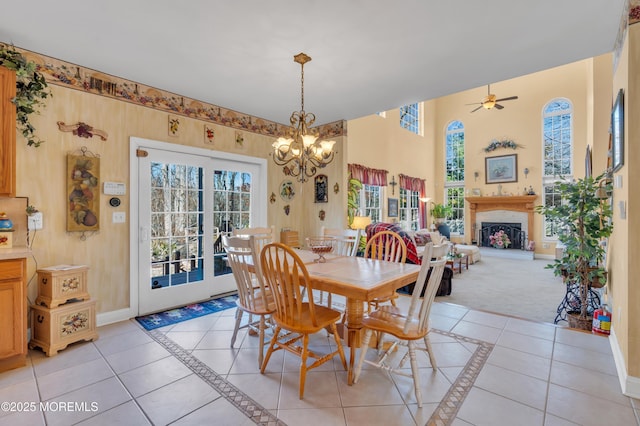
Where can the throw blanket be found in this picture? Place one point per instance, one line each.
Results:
(412, 253)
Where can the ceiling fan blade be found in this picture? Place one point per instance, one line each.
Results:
(498, 106)
(510, 98)
(477, 108)
(475, 103)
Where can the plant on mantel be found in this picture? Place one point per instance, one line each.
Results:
(584, 221)
(31, 90)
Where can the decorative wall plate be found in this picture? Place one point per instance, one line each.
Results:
(287, 190)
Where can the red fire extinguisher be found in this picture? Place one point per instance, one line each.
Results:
(602, 320)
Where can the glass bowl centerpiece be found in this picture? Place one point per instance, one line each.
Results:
(321, 246)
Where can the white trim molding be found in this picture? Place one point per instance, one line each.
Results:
(630, 385)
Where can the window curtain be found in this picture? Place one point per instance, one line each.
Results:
(368, 176)
(418, 185)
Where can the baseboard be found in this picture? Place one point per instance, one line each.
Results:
(545, 256)
(630, 385)
(105, 318)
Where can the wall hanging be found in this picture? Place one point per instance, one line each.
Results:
(209, 134)
(82, 130)
(83, 192)
(287, 190)
(505, 143)
(174, 125)
(321, 191)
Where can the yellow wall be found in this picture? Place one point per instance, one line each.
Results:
(41, 174)
(380, 143)
(624, 293)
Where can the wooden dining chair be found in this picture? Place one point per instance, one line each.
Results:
(253, 296)
(388, 246)
(407, 327)
(286, 275)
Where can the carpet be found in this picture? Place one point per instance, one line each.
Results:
(174, 316)
(520, 288)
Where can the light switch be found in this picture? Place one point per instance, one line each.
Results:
(119, 217)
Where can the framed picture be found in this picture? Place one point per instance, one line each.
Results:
(476, 192)
(617, 132)
(392, 207)
(321, 191)
(501, 169)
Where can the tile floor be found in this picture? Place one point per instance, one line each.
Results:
(506, 371)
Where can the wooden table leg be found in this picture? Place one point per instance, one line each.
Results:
(353, 313)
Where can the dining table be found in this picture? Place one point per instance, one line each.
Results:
(360, 281)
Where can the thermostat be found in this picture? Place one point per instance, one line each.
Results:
(114, 188)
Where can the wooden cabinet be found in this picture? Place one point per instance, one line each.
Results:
(13, 314)
(7, 133)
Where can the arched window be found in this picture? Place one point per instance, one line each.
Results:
(454, 175)
(557, 158)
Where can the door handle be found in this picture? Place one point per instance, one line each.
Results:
(144, 234)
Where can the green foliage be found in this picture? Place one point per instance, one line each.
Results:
(584, 222)
(440, 211)
(31, 91)
(353, 194)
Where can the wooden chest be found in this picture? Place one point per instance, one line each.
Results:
(290, 238)
(59, 284)
(54, 329)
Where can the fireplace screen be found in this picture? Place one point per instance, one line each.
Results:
(513, 231)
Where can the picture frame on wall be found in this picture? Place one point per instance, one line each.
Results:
(617, 132)
(392, 207)
(321, 183)
(501, 169)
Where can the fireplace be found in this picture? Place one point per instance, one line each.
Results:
(513, 230)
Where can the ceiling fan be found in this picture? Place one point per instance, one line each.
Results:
(490, 101)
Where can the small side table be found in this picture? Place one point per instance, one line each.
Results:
(459, 259)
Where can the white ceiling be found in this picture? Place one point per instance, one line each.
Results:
(368, 55)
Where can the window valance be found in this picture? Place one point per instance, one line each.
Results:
(368, 176)
(412, 184)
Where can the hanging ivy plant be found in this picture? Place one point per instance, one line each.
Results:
(31, 90)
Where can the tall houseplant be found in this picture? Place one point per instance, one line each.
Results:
(353, 194)
(439, 212)
(583, 220)
(31, 90)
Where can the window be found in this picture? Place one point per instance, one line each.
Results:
(409, 209)
(410, 118)
(454, 176)
(370, 205)
(557, 134)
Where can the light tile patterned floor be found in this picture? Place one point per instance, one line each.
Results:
(492, 370)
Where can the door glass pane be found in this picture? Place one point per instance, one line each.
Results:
(176, 230)
(231, 210)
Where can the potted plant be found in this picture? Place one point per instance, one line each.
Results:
(439, 212)
(353, 194)
(584, 221)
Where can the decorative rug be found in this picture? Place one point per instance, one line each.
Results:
(174, 316)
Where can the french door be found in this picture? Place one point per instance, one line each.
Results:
(186, 202)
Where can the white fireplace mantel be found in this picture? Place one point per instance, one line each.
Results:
(516, 203)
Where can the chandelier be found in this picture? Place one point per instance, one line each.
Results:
(301, 153)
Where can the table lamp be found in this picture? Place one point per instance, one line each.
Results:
(360, 222)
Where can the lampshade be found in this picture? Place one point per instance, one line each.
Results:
(360, 222)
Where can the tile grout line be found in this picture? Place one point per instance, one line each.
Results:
(450, 404)
(254, 411)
